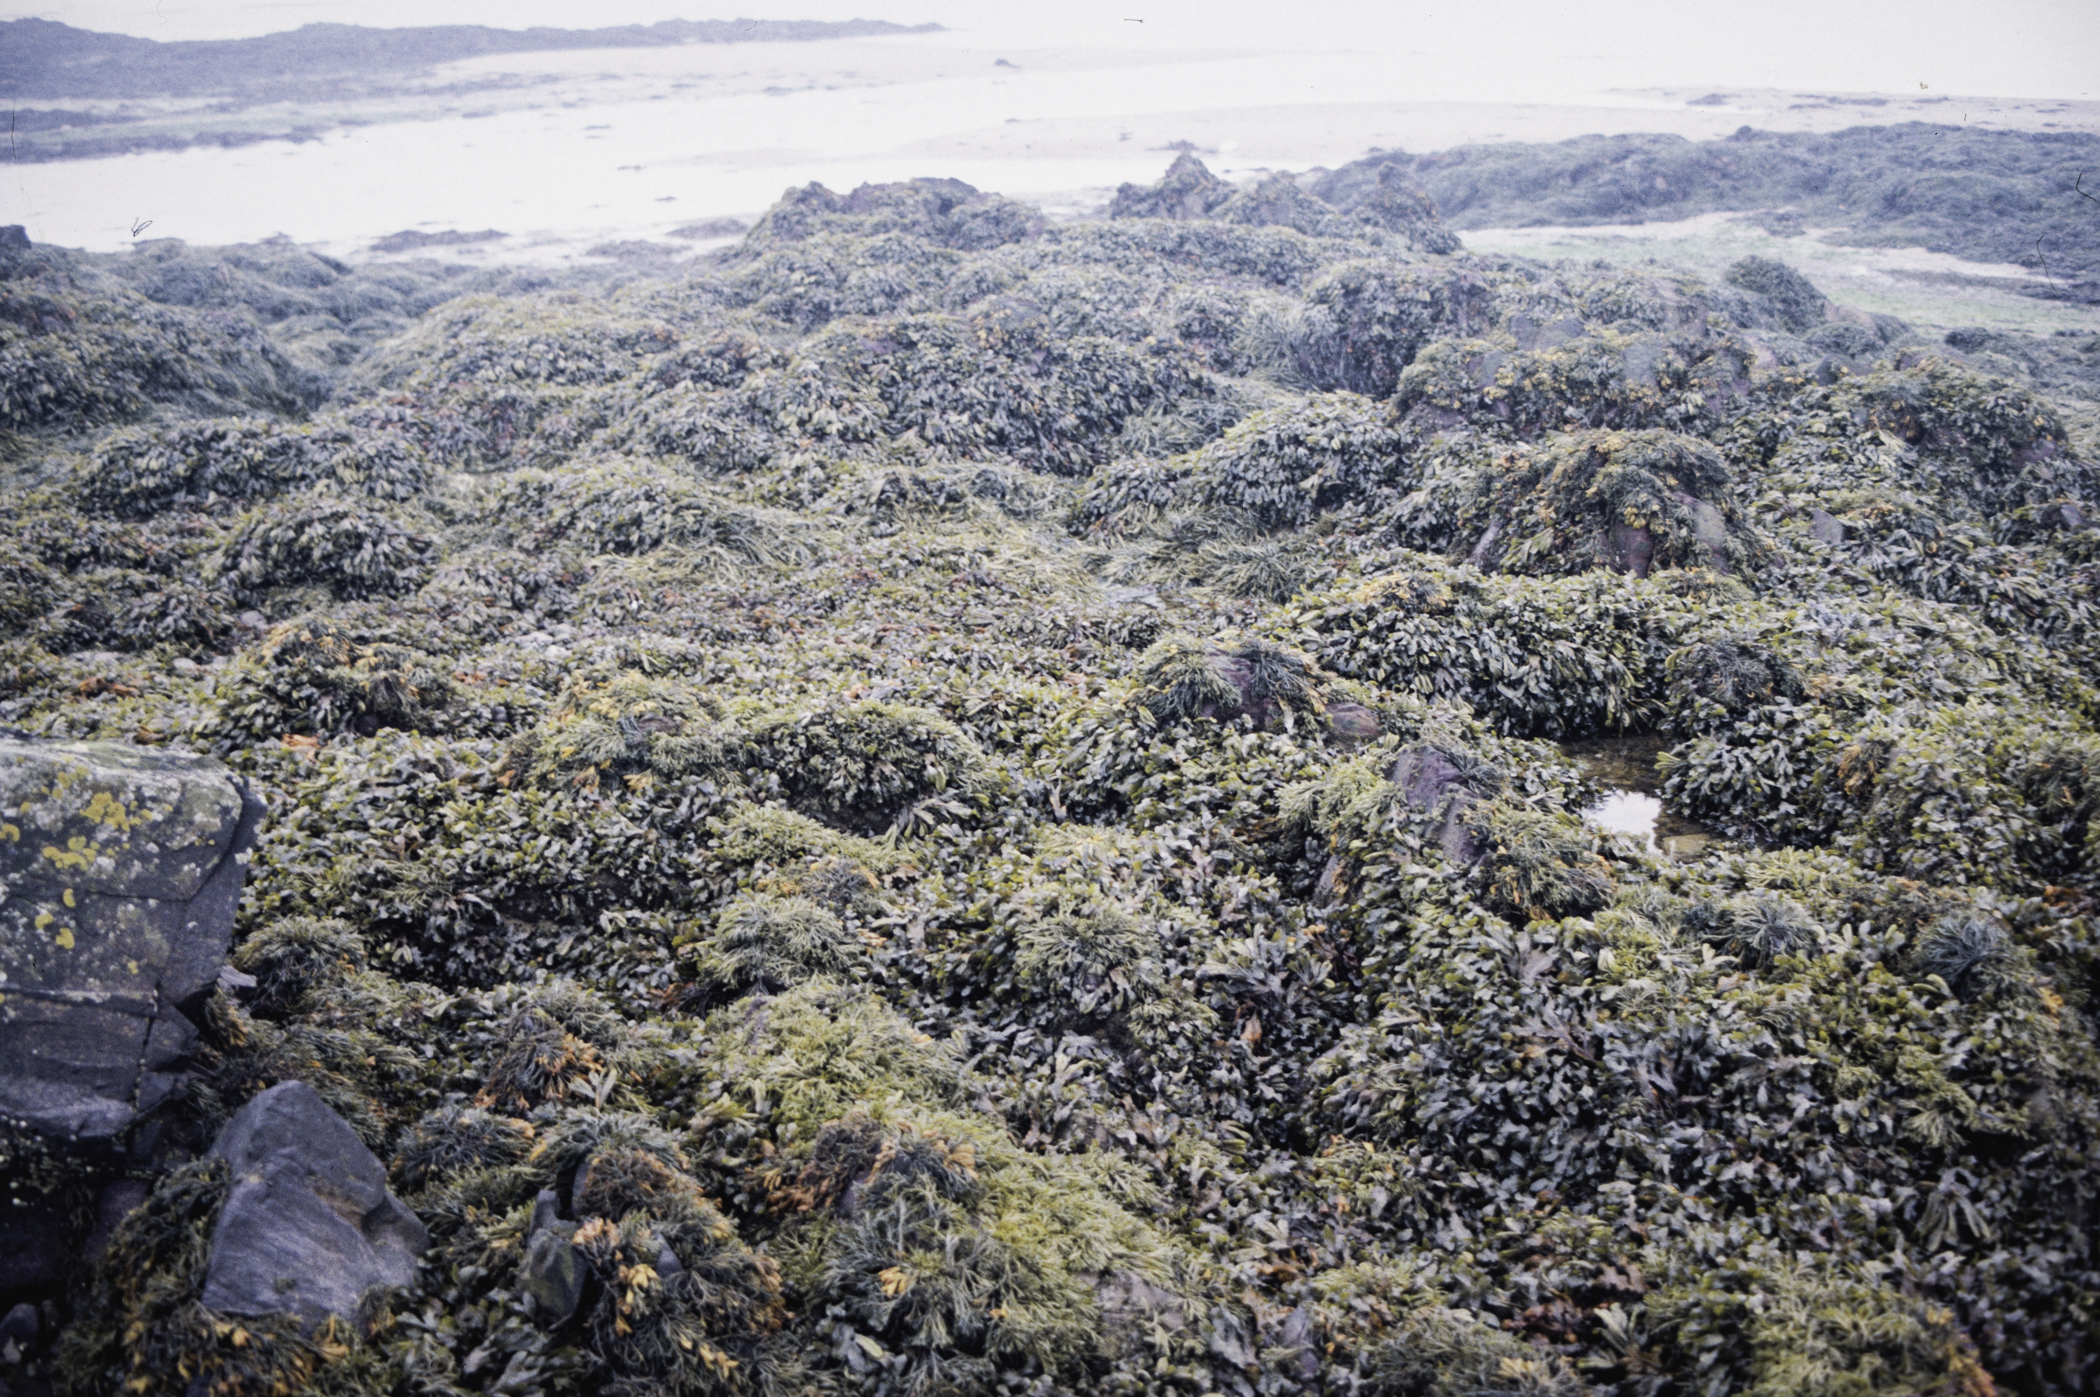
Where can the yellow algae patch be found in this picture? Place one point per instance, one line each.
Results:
(11, 833)
(65, 938)
(106, 809)
(67, 897)
(78, 853)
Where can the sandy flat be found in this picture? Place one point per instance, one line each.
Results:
(569, 149)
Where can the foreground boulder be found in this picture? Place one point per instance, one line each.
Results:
(119, 873)
(308, 1225)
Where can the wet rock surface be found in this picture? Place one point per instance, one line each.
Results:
(308, 1225)
(554, 1273)
(121, 870)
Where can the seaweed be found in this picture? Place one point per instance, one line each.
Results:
(951, 802)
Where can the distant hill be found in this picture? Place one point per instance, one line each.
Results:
(43, 59)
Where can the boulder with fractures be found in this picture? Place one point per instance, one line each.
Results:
(119, 873)
(308, 1225)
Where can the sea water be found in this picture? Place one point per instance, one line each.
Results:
(606, 144)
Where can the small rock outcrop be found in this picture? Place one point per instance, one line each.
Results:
(120, 869)
(554, 1272)
(1187, 190)
(1431, 782)
(308, 1225)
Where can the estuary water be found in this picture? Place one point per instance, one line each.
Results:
(1057, 104)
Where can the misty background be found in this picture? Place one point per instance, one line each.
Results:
(562, 150)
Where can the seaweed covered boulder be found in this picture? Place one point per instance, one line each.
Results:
(222, 463)
(121, 869)
(1187, 190)
(945, 211)
(308, 1224)
(1630, 502)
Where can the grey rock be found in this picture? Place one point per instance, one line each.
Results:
(552, 1277)
(1709, 526)
(1643, 362)
(546, 1211)
(1824, 526)
(118, 1199)
(1352, 721)
(21, 1325)
(14, 237)
(1430, 782)
(1484, 553)
(119, 873)
(308, 1225)
(34, 1243)
(1188, 190)
(1629, 548)
(554, 1272)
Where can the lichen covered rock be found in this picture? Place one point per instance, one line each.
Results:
(122, 869)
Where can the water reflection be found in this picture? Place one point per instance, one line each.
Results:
(1631, 805)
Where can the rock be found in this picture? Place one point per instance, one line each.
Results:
(1643, 363)
(554, 1272)
(1629, 548)
(119, 873)
(34, 1243)
(1188, 190)
(20, 1327)
(1709, 527)
(1825, 528)
(118, 1199)
(1352, 721)
(552, 1278)
(14, 238)
(1431, 782)
(1793, 299)
(1277, 201)
(1484, 553)
(546, 1211)
(308, 1225)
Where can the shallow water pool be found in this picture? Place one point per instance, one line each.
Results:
(1625, 768)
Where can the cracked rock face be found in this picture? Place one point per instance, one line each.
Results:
(119, 873)
(308, 1225)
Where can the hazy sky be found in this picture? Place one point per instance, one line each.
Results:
(2011, 48)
